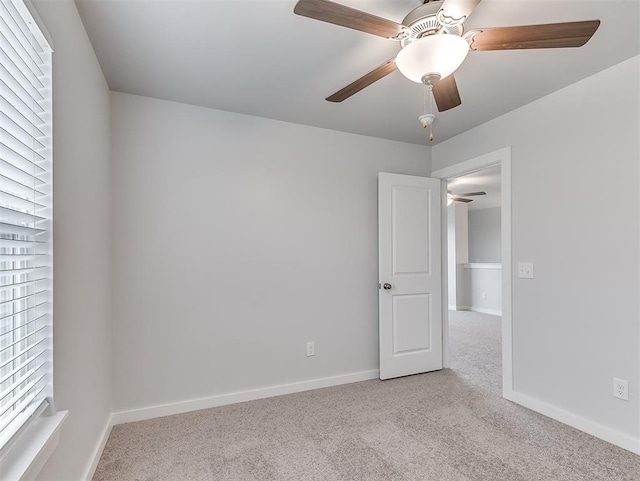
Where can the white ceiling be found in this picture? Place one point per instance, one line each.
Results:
(487, 180)
(256, 57)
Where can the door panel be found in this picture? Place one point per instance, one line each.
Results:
(410, 275)
(410, 332)
(410, 230)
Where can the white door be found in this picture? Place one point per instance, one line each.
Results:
(409, 230)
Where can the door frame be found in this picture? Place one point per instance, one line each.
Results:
(503, 158)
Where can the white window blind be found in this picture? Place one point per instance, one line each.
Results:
(25, 219)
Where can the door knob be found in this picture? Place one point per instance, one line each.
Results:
(387, 286)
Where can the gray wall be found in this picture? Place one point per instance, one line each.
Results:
(479, 281)
(484, 235)
(575, 326)
(82, 240)
(237, 239)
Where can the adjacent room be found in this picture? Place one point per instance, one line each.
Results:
(319, 240)
(474, 270)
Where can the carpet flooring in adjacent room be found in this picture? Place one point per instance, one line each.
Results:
(450, 425)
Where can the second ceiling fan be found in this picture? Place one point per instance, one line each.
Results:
(451, 197)
(434, 44)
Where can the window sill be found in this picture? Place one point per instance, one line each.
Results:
(27, 456)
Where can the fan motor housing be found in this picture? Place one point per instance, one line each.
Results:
(423, 21)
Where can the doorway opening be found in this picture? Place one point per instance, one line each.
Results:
(475, 274)
(476, 263)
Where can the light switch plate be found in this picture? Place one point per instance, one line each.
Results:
(525, 270)
(311, 348)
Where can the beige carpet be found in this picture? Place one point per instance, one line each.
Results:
(443, 426)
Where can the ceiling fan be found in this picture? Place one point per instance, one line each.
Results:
(451, 197)
(434, 44)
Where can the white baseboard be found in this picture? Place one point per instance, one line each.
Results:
(97, 452)
(237, 397)
(605, 433)
(481, 310)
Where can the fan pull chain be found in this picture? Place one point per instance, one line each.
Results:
(427, 119)
(430, 98)
(431, 112)
(424, 98)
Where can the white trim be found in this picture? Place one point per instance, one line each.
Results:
(473, 165)
(507, 272)
(482, 265)
(32, 449)
(21, 424)
(444, 229)
(481, 310)
(503, 158)
(605, 433)
(97, 452)
(238, 397)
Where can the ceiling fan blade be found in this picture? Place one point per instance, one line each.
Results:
(460, 199)
(468, 194)
(454, 12)
(344, 16)
(552, 35)
(445, 93)
(364, 81)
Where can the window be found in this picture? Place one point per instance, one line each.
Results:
(25, 220)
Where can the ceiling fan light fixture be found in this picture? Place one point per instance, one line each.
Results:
(439, 54)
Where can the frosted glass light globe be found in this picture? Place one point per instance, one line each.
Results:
(438, 54)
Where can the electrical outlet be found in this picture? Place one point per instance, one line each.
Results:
(311, 348)
(484, 295)
(525, 270)
(621, 389)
